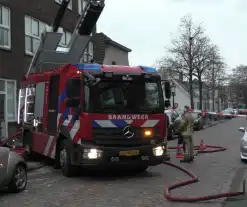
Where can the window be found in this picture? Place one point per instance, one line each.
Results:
(69, 6)
(8, 87)
(88, 53)
(117, 97)
(65, 39)
(5, 39)
(33, 30)
(197, 105)
(11, 100)
(152, 95)
(81, 5)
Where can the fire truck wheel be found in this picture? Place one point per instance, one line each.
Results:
(68, 169)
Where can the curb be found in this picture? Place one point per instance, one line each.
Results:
(215, 124)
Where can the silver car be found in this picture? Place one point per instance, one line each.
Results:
(243, 144)
(13, 170)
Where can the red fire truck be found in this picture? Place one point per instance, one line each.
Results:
(90, 115)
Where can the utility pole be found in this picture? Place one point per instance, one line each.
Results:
(219, 94)
(213, 85)
(190, 73)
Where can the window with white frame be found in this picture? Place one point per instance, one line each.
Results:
(33, 30)
(5, 36)
(88, 53)
(11, 100)
(65, 39)
(8, 87)
(81, 5)
(60, 1)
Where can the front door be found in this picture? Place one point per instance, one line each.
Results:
(52, 105)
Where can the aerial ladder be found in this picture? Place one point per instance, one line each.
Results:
(49, 55)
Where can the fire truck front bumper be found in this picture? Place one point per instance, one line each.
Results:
(106, 157)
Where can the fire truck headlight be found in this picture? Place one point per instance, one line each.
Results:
(92, 154)
(158, 151)
(148, 133)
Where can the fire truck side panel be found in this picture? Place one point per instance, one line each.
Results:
(39, 142)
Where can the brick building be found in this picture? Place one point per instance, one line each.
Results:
(21, 25)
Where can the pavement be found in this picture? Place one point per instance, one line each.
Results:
(31, 166)
(218, 172)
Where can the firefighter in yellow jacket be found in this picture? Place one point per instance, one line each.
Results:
(186, 129)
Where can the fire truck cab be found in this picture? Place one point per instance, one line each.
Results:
(95, 116)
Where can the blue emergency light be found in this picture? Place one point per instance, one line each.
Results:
(88, 66)
(148, 69)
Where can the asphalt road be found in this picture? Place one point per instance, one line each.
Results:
(218, 173)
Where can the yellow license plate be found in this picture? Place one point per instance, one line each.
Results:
(129, 153)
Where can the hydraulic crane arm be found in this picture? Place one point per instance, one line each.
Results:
(60, 14)
(88, 19)
(90, 16)
(49, 54)
(56, 24)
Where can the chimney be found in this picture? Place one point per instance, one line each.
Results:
(181, 78)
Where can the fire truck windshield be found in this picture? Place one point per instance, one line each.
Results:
(126, 97)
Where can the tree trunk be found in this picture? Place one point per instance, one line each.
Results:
(200, 92)
(191, 91)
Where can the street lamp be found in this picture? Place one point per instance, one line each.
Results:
(173, 90)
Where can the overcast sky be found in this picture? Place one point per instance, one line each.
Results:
(146, 26)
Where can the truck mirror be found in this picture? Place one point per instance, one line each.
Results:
(91, 80)
(167, 89)
(167, 103)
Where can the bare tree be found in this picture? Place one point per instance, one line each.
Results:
(238, 84)
(185, 51)
(214, 76)
(203, 61)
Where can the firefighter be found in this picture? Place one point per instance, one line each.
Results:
(186, 129)
(176, 125)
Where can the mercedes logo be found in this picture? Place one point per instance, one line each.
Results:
(127, 132)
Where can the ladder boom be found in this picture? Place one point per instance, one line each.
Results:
(89, 17)
(60, 14)
(56, 24)
(49, 54)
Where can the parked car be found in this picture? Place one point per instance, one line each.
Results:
(213, 116)
(227, 114)
(13, 170)
(199, 121)
(235, 111)
(243, 144)
(172, 116)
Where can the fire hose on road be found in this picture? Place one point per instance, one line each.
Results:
(194, 179)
